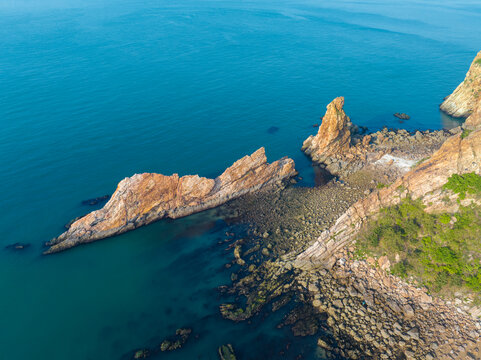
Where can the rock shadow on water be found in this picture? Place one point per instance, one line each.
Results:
(448, 122)
(321, 175)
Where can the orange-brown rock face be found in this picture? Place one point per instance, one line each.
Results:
(342, 149)
(334, 135)
(462, 101)
(457, 155)
(145, 198)
(474, 120)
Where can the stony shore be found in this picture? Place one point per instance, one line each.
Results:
(369, 313)
(375, 315)
(300, 245)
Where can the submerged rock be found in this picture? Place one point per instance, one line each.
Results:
(226, 352)
(273, 130)
(141, 354)
(148, 197)
(177, 341)
(461, 102)
(96, 200)
(17, 246)
(402, 116)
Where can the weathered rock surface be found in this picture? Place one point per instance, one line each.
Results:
(145, 198)
(474, 120)
(457, 155)
(461, 102)
(374, 315)
(342, 149)
(334, 135)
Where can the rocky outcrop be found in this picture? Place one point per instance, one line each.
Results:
(334, 135)
(458, 155)
(461, 102)
(342, 149)
(474, 120)
(145, 198)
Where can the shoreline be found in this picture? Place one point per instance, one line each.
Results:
(370, 312)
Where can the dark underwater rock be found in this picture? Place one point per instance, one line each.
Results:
(402, 116)
(95, 201)
(226, 352)
(177, 341)
(273, 130)
(17, 246)
(141, 354)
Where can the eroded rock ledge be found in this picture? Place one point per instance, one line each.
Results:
(464, 98)
(148, 197)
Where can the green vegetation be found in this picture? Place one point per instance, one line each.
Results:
(381, 185)
(419, 162)
(466, 133)
(478, 62)
(462, 184)
(441, 251)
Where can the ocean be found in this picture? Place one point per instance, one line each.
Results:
(94, 91)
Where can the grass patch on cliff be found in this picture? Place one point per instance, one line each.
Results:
(469, 183)
(440, 251)
(381, 185)
(478, 62)
(466, 133)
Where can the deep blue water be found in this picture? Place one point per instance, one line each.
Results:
(94, 91)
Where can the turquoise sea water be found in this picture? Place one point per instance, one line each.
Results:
(95, 91)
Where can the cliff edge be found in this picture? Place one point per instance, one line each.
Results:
(464, 98)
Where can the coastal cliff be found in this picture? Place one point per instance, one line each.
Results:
(462, 101)
(145, 198)
(357, 291)
(458, 155)
(417, 299)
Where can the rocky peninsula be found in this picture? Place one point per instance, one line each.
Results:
(145, 198)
